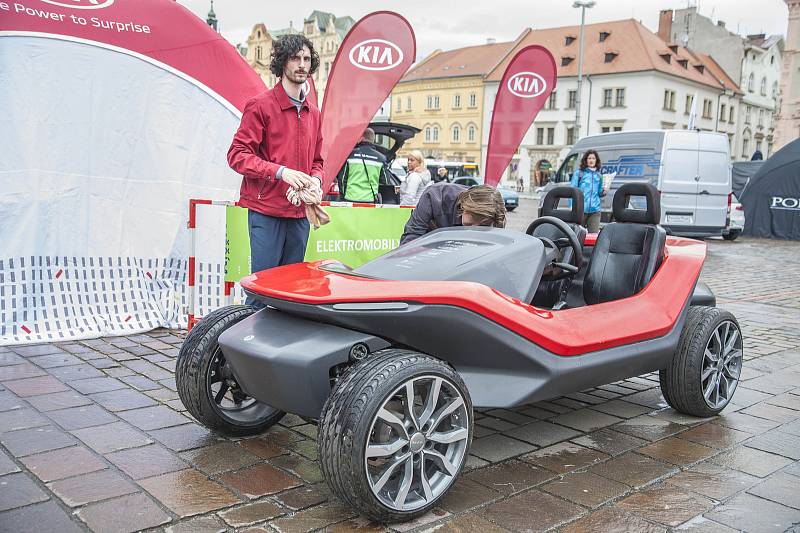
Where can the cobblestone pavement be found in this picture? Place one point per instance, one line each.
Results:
(94, 437)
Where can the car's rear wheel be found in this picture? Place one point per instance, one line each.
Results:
(732, 235)
(207, 386)
(707, 364)
(394, 434)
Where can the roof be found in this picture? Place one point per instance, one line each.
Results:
(470, 61)
(637, 49)
(718, 72)
(762, 41)
(283, 31)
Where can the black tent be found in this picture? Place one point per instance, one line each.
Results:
(772, 198)
(742, 173)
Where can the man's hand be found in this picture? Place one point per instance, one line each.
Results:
(296, 179)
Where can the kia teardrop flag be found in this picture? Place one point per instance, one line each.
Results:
(375, 54)
(527, 83)
(310, 90)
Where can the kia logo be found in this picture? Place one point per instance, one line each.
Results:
(526, 84)
(376, 54)
(81, 4)
(789, 204)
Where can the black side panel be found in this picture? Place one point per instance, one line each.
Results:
(703, 296)
(285, 361)
(501, 368)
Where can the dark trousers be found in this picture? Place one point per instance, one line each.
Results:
(275, 241)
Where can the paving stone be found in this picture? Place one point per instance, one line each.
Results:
(200, 524)
(68, 374)
(10, 358)
(147, 461)
(677, 451)
(259, 481)
(712, 480)
(37, 518)
(715, 436)
(186, 437)
(148, 369)
(793, 469)
(103, 363)
(746, 423)
(188, 492)
(536, 412)
(21, 419)
(586, 420)
(764, 410)
(55, 360)
(308, 471)
(747, 397)
(648, 398)
(633, 469)
(700, 524)
(780, 488)
(307, 448)
(221, 457)
(515, 513)
(59, 400)
(671, 415)
(553, 407)
(430, 517)
(24, 370)
(82, 417)
(467, 494)
(7, 466)
(790, 401)
(314, 518)
(9, 401)
(753, 514)
(510, 477)
(751, 461)
(123, 515)
(94, 385)
(542, 433)
(518, 419)
(304, 496)
(120, 372)
(34, 386)
(612, 519)
(776, 442)
(649, 428)
(32, 350)
(140, 383)
(771, 384)
(112, 437)
(667, 505)
(63, 463)
(498, 447)
(29, 441)
(609, 441)
(497, 424)
(156, 417)
(565, 457)
(91, 487)
(123, 399)
(162, 394)
(586, 489)
(622, 409)
(464, 524)
(251, 513)
(17, 490)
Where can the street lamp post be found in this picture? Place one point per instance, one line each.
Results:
(583, 4)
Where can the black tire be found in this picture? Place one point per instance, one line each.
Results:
(732, 235)
(347, 418)
(509, 209)
(198, 353)
(681, 383)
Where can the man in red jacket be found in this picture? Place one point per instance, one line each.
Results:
(278, 146)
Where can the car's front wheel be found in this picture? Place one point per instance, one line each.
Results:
(394, 434)
(707, 364)
(732, 235)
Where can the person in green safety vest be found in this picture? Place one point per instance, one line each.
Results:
(360, 176)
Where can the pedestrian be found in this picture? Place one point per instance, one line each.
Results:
(360, 177)
(441, 175)
(417, 179)
(589, 180)
(277, 148)
(444, 205)
(757, 156)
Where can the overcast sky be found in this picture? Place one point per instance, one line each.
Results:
(452, 24)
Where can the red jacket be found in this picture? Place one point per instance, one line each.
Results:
(274, 134)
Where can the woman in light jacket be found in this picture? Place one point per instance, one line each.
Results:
(417, 179)
(589, 180)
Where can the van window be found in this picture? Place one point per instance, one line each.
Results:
(564, 173)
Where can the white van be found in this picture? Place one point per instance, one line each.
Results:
(691, 170)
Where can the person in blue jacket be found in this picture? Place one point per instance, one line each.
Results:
(589, 180)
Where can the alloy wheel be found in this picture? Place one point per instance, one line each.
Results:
(722, 365)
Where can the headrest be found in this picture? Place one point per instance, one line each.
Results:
(650, 215)
(555, 195)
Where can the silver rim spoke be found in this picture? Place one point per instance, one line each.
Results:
(417, 443)
(721, 365)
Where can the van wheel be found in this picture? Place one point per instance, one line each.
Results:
(732, 235)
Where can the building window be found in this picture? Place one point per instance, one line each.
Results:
(568, 40)
(399, 104)
(471, 133)
(258, 34)
(408, 103)
(620, 98)
(436, 102)
(707, 108)
(473, 100)
(540, 136)
(750, 82)
(327, 68)
(687, 106)
(758, 145)
(456, 134)
(669, 100)
(435, 134)
(747, 114)
(551, 136)
(571, 97)
(566, 60)
(761, 117)
(607, 95)
(428, 134)
(604, 35)
(457, 101)
(722, 113)
(429, 102)
(570, 135)
(730, 115)
(551, 101)
(745, 147)
(774, 89)
(764, 86)
(258, 52)
(609, 129)
(609, 57)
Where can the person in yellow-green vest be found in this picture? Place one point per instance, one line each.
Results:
(361, 174)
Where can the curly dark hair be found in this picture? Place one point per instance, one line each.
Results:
(584, 165)
(285, 47)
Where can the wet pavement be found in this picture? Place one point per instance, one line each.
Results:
(94, 437)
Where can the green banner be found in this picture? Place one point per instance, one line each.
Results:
(354, 236)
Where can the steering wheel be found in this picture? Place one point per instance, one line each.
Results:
(560, 270)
